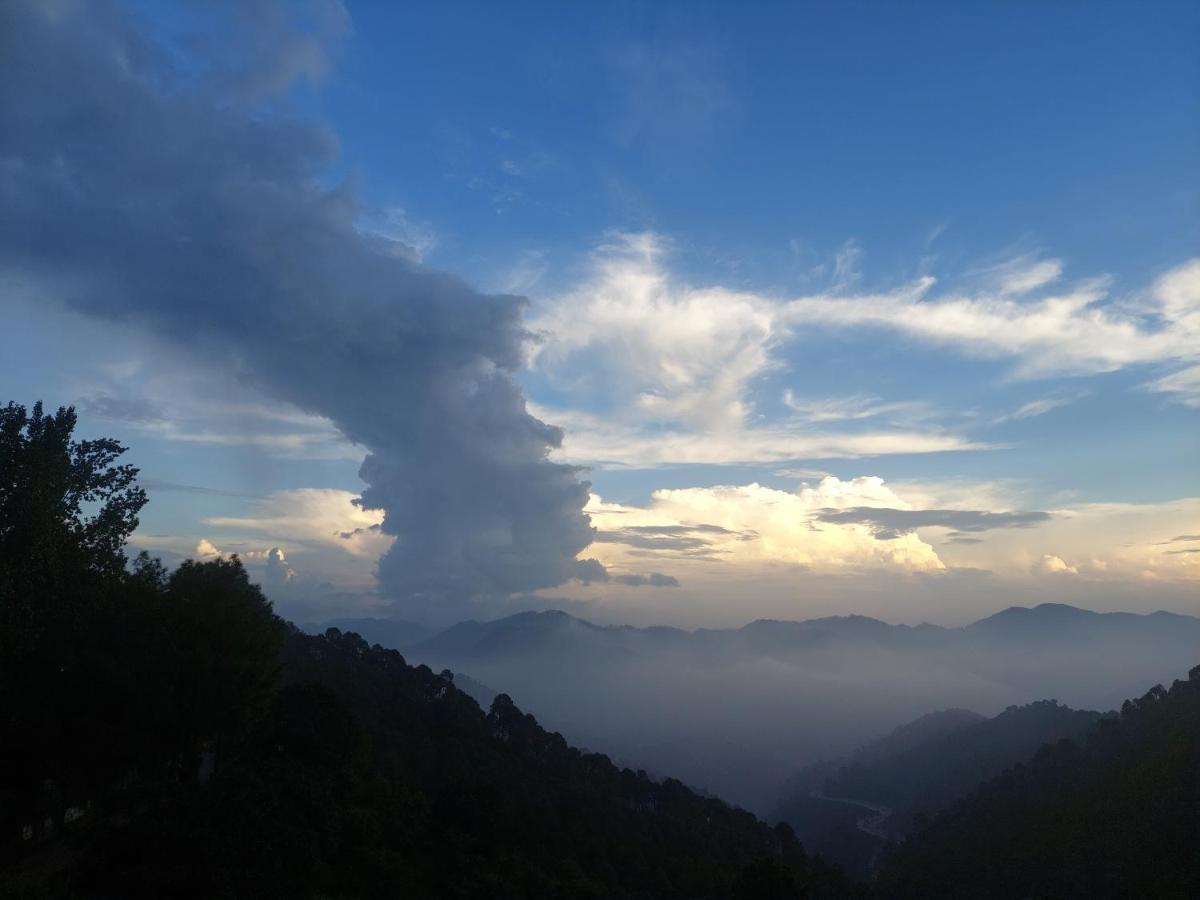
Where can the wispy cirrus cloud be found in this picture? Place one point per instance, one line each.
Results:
(1039, 407)
(598, 441)
(854, 408)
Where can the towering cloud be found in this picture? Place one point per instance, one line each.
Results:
(142, 185)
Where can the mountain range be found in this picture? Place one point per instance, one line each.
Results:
(775, 696)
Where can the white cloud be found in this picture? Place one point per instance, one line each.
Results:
(1026, 274)
(1099, 541)
(1053, 565)
(845, 264)
(1184, 384)
(1038, 407)
(313, 517)
(206, 549)
(839, 409)
(670, 352)
(600, 442)
(412, 239)
(749, 528)
(672, 365)
(753, 524)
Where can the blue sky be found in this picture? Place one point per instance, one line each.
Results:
(936, 256)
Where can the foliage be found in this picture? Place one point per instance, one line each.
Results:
(1116, 815)
(66, 509)
(217, 752)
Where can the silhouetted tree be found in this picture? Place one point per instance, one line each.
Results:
(66, 509)
(226, 651)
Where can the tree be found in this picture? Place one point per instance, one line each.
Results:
(226, 643)
(66, 509)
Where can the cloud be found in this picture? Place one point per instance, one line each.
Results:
(133, 190)
(1024, 274)
(887, 524)
(1184, 385)
(313, 517)
(271, 48)
(864, 525)
(679, 354)
(671, 363)
(1052, 565)
(206, 549)
(277, 572)
(596, 441)
(840, 409)
(1038, 407)
(137, 410)
(169, 400)
(689, 537)
(157, 485)
(669, 369)
(1069, 333)
(653, 579)
(1181, 538)
(845, 264)
(754, 524)
(409, 237)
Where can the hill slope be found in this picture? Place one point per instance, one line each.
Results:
(916, 770)
(373, 778)
(1116, 815)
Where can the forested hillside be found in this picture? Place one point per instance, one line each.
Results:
(1116, 815)
(916, 770)
(165, 734)
(926, 776)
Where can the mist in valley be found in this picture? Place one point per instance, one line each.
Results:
(736, 712)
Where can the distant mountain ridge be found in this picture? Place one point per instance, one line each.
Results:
(784, 694)
(526, 629)
(473, 636)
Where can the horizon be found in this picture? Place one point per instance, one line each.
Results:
(848, 615)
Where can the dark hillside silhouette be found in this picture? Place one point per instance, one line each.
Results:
(1114, 815)
(165, 734)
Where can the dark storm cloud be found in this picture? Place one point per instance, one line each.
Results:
(1181, 538)
(683, 538)
(139, 185)
(887, 524)
(631, 538)
(652, 579)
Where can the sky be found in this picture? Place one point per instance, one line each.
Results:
(652, 312)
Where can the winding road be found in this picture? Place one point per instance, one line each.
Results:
(871, 823)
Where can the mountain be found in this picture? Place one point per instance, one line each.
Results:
(785, 694)
(930, 775)
(1058, 621)
(1115, 814)
(925, 766)
(369, 777)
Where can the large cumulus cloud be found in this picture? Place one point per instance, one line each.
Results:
(142, 185)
